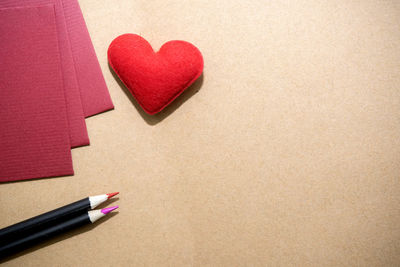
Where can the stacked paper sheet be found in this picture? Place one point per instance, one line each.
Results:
(50, 80)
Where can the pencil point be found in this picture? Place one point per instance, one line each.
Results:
(109, 209)
(110, 195)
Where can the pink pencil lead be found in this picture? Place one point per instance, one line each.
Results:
(108, 210)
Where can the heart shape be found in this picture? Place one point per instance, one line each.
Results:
(155, 79)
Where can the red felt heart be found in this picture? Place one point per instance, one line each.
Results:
(155, 79)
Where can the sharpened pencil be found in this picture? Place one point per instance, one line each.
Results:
(67, 225)
(44, 220)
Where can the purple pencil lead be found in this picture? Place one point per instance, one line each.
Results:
(109, 209)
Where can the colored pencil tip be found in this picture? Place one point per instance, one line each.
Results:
(110, 195)
(108, 210)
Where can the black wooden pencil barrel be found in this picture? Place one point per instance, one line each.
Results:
(34, 238)
(24, 228)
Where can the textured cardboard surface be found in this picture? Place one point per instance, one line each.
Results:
(286, 153)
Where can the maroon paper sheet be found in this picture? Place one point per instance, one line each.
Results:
(94, 93)
(76, 120)
(34, 139)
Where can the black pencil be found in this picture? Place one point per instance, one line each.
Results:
(20, 244)
(47, 219)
